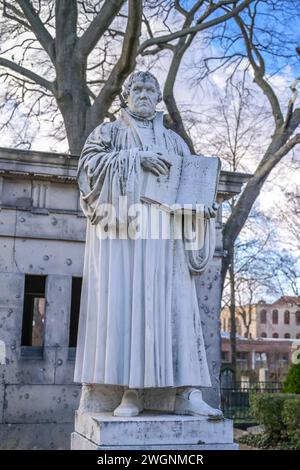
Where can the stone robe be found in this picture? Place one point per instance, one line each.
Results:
(139, 318)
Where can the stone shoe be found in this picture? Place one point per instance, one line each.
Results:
(131, 404)
(190, 402)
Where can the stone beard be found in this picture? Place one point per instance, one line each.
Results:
(139, 324)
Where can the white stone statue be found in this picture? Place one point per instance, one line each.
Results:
(140, 325)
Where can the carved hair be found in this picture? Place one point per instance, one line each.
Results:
(143, 77)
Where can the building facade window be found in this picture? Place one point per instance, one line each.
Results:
(238, 327)
(263, 316)
(261, 360)
(287, 335)
(75, 308)
(275, 335)
(286, 317)
(34, 311)
(284, 359)
(275, 317)
(225, 356)
(242, 359)
(297, 316)
(298, 336)
(263, 335)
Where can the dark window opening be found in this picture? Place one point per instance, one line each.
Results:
(225, 356)
(242, 356)
(275, 317)
(263, 316)
(286, 317)
(75, 307)
(285, 358)
(34, 311)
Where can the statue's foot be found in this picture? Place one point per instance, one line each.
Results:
(131, 404)
(190, 402)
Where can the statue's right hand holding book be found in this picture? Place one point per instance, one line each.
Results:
(154, 162)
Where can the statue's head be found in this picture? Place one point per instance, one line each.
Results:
(142, 93)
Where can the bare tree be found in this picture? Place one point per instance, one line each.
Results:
(245, 312)
(232, 131)
(283, 139)
(260, 269)
(237, 130)
(289, 216)
(70, 38)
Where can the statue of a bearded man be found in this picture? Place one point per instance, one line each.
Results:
(140, 325)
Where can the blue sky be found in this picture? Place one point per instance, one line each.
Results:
(277, 31)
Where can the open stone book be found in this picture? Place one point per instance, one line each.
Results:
(191, 181)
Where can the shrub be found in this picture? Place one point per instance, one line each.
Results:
(291, 420)
(267, 408)
(292, 382)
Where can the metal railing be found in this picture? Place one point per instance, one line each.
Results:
(235, 401)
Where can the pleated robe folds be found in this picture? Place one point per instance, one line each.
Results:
(139, 318)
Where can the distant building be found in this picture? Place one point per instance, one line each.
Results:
(254, 355)
(267, 335)
(280, 319)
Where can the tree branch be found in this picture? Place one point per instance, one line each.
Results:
(123, 67)
(196, 7)
(66, 14)
(179, 8)
(28, 74)
(98, 26)
(193, 29)
(268, 166)
(259, 71)
(158, 49)
(289, 113)
(66, 25)
(243, 206)
(19, 16)
(176, 122)
(294, 121)
(37, 27)
(148, 27)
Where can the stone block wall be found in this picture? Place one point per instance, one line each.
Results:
(42, 232)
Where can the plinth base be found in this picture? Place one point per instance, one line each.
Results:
(150, 431)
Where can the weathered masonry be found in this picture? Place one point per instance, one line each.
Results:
(42, 233)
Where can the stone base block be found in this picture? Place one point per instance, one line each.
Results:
(150, 431)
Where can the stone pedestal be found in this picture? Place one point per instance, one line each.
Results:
(150, 431)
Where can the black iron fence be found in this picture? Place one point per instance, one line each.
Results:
(235, 401)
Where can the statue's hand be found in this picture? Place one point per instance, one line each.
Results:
(154, 162)
(211, 212)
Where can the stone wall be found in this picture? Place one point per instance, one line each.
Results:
(42, 232)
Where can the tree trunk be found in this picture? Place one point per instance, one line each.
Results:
(232, 318)
(74, 104)
(71, 92)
